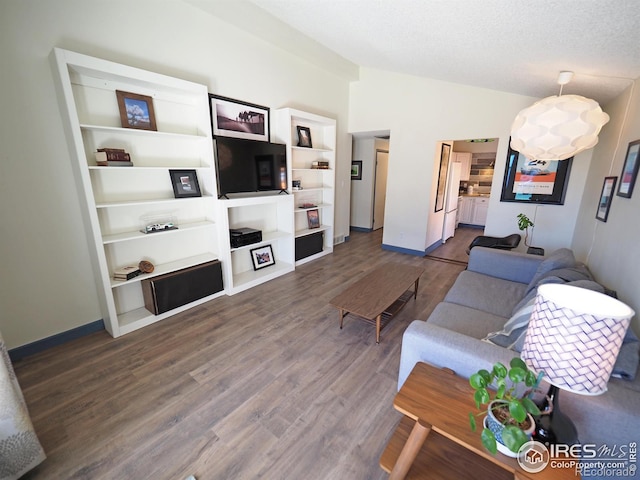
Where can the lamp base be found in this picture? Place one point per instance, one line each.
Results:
(556, 427)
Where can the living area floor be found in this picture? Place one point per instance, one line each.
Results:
(262, 384)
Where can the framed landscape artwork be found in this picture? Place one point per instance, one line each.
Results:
(136, 111)
(313, 218)
(304, 137)
(262, 257)
(535, 181)
(606, 196)
(629, 170)
(233, 118)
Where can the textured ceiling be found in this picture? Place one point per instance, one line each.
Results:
(509, 45)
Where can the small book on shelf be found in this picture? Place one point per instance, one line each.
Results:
(126, 273)
(113, 156)
(113, 163)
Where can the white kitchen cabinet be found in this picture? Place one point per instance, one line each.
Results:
(480, 209)
(464, 158)
(465, 210)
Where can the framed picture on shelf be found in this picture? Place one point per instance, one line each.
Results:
(304, 137)
(262, 257)
(606, 196)
(234, 118)
(136, 111)
(535, 181)
(445, 152)
(185, 183)
(356, 170)
(313, 218)
(629, 170)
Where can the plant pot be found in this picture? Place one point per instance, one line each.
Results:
(493, 424)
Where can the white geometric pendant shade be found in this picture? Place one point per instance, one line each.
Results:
(557, 127)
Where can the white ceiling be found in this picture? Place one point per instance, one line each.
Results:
(517, 46)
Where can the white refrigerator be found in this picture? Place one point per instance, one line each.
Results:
(451, 200)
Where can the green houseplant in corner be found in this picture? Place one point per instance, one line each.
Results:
(523, 225)
(509, 419)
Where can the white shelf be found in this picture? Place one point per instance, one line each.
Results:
(320, 205)
(312, 149)
(113, 199)
(142, 133)
(309, 231)
(168, 268)
(248, 279)
(130, 203)
(312, 169)
(138, 235)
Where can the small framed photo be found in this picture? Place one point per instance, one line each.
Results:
(233, 118)
(356, 170)
(185, 183)
(262, 257)
(304, 137)
(313, 218)
(629, 170)
(136, 111)
(606, 196)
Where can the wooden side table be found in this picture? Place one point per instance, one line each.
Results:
(434, 439)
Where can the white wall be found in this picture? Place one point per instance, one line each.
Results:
(611, 249)
(419, 113)
(47, 284)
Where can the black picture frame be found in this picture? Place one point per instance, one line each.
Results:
(185, 183)
(304, 137)
(445, 153)
(238, 119)
(356, 170)
(606, 197)
(629, 170)
(535, 181)
(136, 111)
(262, 257)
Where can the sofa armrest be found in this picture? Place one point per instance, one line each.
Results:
(425, 342)
(514, 266)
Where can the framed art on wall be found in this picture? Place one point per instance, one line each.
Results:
(233, 118)
(629, 170)
(606, 196)
(185, 183)
(262, 257)
(356, 170)
(136, 111)
(535, 181)
(445, 152)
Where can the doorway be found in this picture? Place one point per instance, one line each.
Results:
(370, 157)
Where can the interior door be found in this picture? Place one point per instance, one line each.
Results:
(380, 188)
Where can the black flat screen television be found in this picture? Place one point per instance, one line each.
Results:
(250, 166)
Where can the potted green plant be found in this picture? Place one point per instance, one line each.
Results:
(523, 225)
(509, 422)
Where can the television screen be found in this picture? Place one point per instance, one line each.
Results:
(250, 166)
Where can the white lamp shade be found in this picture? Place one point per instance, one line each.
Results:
(557, 128)
(574, 337)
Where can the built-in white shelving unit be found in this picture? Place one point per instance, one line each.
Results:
(317, 185)
(117, 200)
(273, 215)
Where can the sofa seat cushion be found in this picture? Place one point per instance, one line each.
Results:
(489, 294)
(514, 331)
(465, 320)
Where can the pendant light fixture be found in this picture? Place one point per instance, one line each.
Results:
(558, 127)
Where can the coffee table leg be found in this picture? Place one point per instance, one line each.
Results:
(415, 292)
(378, 325)
(410, 450)
(342, 315)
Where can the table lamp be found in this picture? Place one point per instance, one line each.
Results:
(574, 337)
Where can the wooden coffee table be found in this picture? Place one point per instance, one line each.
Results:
(434, 439)
(379, 295)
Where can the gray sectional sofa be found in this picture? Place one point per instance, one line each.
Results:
(496, 285)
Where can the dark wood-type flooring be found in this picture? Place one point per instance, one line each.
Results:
(262, 384)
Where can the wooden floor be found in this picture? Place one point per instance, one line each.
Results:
(262, 384)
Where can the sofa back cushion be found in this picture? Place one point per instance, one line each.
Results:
(561, 258)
